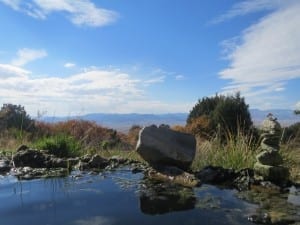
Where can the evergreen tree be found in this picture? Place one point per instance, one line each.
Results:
(225, 113)
(15, 116)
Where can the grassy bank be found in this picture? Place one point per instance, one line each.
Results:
(78, 138)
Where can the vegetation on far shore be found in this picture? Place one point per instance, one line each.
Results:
(222, 126)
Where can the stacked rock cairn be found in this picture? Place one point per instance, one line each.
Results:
(269, 162)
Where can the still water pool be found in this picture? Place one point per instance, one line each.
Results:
(117, 197)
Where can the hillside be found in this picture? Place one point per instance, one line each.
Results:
(123, 122)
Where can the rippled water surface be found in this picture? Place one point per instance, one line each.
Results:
(118, 197)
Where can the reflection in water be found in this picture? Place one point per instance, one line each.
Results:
(97, 220)
(275, 207)
(120, 197)
(160, 198)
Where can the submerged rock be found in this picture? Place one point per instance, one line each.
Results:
(160, 198)
(161, 145)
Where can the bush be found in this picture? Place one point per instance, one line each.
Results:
(15, 116)
(90, 135)
(133, 135)
(60, 145)
(291, 133)
(221, 114)
(201, 126)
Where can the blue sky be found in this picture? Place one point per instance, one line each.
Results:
(72, 57)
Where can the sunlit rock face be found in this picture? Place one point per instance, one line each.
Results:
(163, 146)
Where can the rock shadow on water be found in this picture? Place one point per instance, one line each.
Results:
(161, 198)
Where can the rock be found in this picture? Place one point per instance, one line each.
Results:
(29, 157)
(95, 162)
(216, 175)
(244, 179)
(174, 175)
(4, 166)
(28, 173)
(57, 163)
(98, 162)
(276, 174)
(165, 146)
(272, 158)
(269, 160)
(73, 161)
(22, 148)
(270, 125)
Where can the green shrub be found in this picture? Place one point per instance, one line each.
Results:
(15, 116)
(225, 114)
(60, 145)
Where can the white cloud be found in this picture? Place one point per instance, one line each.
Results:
(298, 105)
(251, 6)
(12, 3)
(8, 71)
(266, 55)
(27, 55)
(79, 12)
(179, 77)
(97, 90)
(93, 90)
(155, 80)
(69, 65)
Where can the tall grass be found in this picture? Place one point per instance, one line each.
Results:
(290, 152)
(10, 140)
(60, 145)
(236, 152)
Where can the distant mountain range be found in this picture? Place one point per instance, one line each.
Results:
(123, 122)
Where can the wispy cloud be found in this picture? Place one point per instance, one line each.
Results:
(266, 55)
(7, 71)
(155, 80)
(27, 55)
(250, 6)
(79, 12)
(179, 77)
(69, 65)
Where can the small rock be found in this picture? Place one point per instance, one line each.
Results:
(272, 158)
(216, 175)
(174, 175)
(276, 174)
(4, 166)
(22, 148)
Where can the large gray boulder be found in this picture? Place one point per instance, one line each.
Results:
(163, 146)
